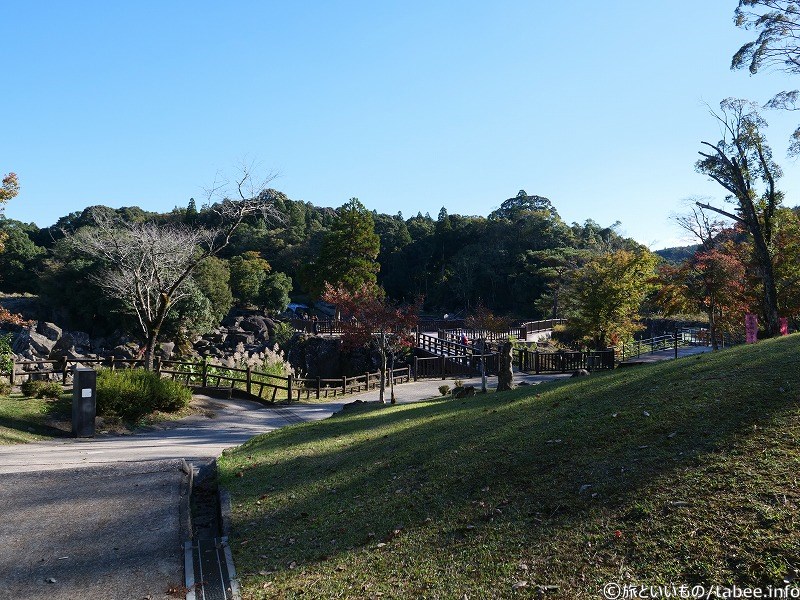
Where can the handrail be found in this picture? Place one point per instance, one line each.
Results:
(246, 380)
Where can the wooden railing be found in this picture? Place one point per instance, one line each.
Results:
(320, 327)
(442, 346)
(519, 332)
(453, 366)
(252, 382)
(672, 341)
(563, 361)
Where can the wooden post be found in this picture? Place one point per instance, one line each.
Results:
(416, 368)
(344, 384)
(443, 367)
(289, 391)
(249, 378)
(319, 386)
(112, 363)
(204, 373)
(366, 381)
(13, 369)
(676, 344)
(536, 361)
(158, 366)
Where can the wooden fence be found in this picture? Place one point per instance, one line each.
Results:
(430, 367)
(254, 383)
(519, 332)
(442, 346)
(562, 362)
(672, 341)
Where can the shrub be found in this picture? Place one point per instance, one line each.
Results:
(133, 393)
(458, 383)
(5, 388)
(283, 333)
(50, 389)
(30, 388)
(443, 389)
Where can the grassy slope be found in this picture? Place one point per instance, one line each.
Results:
(30, 419)
(693, 467)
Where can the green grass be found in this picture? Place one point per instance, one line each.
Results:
(693, 466)
(31, 419)
(24, 419)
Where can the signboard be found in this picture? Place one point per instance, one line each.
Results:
(784, 321)
(751, 328)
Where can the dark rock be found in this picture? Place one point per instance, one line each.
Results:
(463, 392)
(21, 342)
(49, 330)
(239, 338)
(123, 352)
(216, 338)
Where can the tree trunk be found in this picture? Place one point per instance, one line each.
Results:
(770, 292)
(383, 366)
(712, 324)
(391, 379)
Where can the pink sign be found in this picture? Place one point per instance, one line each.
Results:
(784, 321)
(751, 328)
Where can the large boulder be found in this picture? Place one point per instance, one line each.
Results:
(49, 330)
(166, 350)
(40, 344)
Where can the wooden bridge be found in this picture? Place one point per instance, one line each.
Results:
(445, 355)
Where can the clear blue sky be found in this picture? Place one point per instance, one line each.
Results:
(406, 105)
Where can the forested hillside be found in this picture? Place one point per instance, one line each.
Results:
(512, 260)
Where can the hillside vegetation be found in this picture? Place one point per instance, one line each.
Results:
(679, 472)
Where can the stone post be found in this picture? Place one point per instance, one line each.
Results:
(505, 372)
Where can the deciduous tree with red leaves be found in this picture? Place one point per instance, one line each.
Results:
(369, 319)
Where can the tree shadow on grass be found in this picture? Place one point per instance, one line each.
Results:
(545, 475)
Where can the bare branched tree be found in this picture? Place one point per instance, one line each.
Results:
(702, 226)
(741, 162)
(147, 266)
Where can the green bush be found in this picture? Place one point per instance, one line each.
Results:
(5, 388)
(133, 393)
(443, 389)
(50, 389)
(36, 388)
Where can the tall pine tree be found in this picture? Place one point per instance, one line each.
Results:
(347, 258)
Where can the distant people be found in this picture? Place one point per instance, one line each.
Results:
(464, 339)
(314, 324)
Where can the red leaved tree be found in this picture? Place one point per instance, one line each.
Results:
(369, 319)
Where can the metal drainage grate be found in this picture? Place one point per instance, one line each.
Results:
(209, 570)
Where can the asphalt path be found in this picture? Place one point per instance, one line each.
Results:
(220, 425)
(103, 532)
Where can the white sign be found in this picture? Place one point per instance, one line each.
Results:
(86, 393)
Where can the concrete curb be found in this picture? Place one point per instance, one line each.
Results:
(186, 500)
(225, 524)
(224, 511)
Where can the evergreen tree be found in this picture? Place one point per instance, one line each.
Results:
(347, 258)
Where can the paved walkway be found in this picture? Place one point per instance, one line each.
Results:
(109, 532)
(231, 422)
